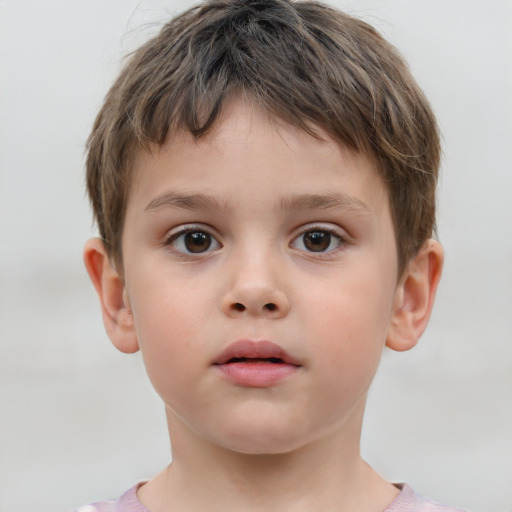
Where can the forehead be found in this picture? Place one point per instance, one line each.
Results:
(248, 146)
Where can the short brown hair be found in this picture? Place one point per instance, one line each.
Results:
(304, 62)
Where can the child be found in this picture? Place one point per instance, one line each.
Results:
(263, 176)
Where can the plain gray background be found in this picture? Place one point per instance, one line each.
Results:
(80, 422)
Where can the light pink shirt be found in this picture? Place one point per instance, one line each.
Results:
(406, 501)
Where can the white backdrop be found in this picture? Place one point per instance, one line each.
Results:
(79, 421)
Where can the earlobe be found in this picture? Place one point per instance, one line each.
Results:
(415, 296)
(115, 308)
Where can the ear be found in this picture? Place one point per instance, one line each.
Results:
(415, 296)
(116, 310)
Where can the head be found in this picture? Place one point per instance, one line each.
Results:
(301, 62)
(263, 176)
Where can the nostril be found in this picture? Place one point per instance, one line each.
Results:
(268, 307)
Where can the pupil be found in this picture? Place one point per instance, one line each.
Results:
(197, 241)
(317, 241)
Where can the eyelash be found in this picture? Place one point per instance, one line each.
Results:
(174, 239)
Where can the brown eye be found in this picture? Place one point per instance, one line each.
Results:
(317, 241)
(190, 241)
(197, 241)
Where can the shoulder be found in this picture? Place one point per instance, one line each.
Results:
(409, 501)
(128, 502)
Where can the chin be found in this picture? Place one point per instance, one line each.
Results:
(258, 448)
(264, 440)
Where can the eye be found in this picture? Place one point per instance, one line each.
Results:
(317, 240)
(193, 241)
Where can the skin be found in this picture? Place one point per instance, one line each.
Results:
(333, 310)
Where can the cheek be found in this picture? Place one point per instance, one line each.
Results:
(166, 305)
(349, 327)
(169, 327)
(353, 309)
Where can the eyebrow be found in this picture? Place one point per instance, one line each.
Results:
(326, 201)
(185, 201)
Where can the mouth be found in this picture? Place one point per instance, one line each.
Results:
(248, 351)
(256, 364)
(274, 360)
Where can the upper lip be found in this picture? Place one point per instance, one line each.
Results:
(249, 349)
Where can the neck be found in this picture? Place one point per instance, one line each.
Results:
(327, 474)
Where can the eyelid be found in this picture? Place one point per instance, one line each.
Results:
(193, 226)
(321, 226)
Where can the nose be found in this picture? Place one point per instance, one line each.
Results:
(255, 290)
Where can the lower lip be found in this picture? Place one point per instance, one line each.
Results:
(257, 375)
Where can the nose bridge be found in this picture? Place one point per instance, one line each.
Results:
(255, 282)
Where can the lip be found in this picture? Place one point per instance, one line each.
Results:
(255, 363)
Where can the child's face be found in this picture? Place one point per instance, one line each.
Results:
(259, 232)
